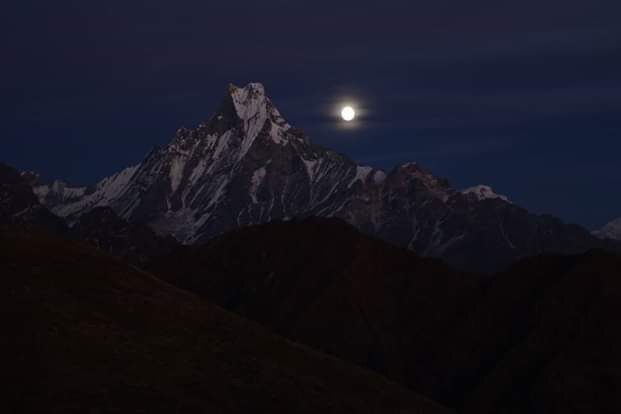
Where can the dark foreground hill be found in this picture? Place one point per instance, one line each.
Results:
(84, 333)
(542, 337)
(131, 242)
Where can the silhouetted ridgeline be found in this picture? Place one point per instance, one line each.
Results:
(541, 337)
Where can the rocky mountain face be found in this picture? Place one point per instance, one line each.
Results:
(21, 211)
(247, 165)
(611, 230)
(541, 337)
(19, 208)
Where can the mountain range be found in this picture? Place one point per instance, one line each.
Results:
(246, 165)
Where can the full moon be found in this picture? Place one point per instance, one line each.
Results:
(348, 113)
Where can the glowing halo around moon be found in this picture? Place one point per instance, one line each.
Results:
(348, 113)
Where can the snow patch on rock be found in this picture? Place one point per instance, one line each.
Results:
(255, 183)
(379, 177)
(106, 191)
(310, 168)
(177, 167)
(362, 172)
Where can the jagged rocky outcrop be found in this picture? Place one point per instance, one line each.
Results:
(20, 209)
(247, 165)
(22, 212)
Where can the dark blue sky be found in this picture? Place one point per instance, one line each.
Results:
(522, 95)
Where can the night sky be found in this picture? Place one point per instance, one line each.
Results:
(522, 95)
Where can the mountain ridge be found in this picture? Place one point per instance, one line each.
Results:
(539, 337)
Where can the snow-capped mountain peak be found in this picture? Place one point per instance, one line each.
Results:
(611, 230)
(484, 192)
(250, 105)
(249, 101)
(246, 159)
(254, 108)
(256, 115)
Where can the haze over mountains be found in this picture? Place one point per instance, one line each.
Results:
(246, 165)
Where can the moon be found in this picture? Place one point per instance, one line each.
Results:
(348, 113)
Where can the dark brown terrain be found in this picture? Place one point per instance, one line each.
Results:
(85, 333)
(541, 337)
(134, 243)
